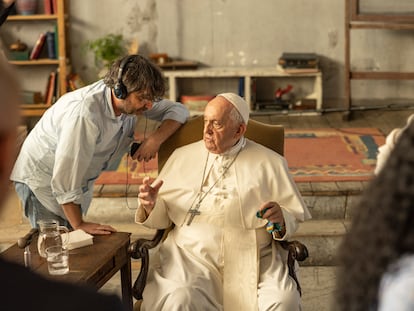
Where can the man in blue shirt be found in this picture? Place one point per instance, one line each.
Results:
(82, 133)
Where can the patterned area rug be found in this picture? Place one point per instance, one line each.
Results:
(128, 171)
(321, 155)
(346, 154)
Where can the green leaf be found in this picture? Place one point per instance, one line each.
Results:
(107, 49)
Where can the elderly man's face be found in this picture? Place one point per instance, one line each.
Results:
(220, 131)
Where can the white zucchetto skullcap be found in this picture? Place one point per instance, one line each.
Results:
(239, 103)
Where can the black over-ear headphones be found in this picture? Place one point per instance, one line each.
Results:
(120, 89)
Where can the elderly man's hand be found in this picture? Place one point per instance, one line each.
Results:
(148, 194)
(272, 212)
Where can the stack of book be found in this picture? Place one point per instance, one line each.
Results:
(299, 62)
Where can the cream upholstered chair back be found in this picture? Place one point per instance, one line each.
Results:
(271, 136)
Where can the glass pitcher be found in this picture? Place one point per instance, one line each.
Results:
(49, 235)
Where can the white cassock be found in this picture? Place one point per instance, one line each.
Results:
(225, 259)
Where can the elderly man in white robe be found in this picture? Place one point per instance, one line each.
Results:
(220, 194)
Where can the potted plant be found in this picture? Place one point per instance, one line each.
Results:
(106, 49)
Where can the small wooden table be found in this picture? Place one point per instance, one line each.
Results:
(92, 265)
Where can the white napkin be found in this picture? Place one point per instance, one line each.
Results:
(78, 238)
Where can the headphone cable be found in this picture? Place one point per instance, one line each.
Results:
(127, 170)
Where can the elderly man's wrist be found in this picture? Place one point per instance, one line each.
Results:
(278, 230)
(141, 214)
(145, 211)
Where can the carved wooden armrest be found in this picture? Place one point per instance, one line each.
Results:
(296, 251)
(139, 250)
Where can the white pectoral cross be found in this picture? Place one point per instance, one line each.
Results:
(194, 212)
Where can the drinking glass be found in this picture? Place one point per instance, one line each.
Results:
(57, 260)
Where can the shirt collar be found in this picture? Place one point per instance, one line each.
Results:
(233, 150)
(108, 102)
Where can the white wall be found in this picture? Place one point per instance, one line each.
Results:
(250, 32)
(217, 32)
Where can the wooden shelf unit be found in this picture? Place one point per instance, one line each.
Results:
(354, 19)
(175, 78)
(37, 110)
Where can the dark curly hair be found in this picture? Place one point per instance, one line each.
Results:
(382, 230)
(139, 74)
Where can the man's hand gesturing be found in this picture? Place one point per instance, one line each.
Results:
(148, 194)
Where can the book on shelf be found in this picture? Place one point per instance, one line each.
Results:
(299, 60)
(50, 88)
(37, 48)
(50, 43)
(45, 96)
(301, 70)
(54, 6)
(47, 6)
(293, 70)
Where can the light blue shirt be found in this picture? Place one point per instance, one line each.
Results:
(396, 289)
(77, 138)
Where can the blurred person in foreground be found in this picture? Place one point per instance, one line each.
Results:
(377, 254)
(390, 141)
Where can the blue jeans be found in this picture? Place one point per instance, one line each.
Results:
(33, 209)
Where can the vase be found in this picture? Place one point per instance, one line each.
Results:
(26, 7)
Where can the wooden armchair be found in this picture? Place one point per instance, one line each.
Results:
(271, 136)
